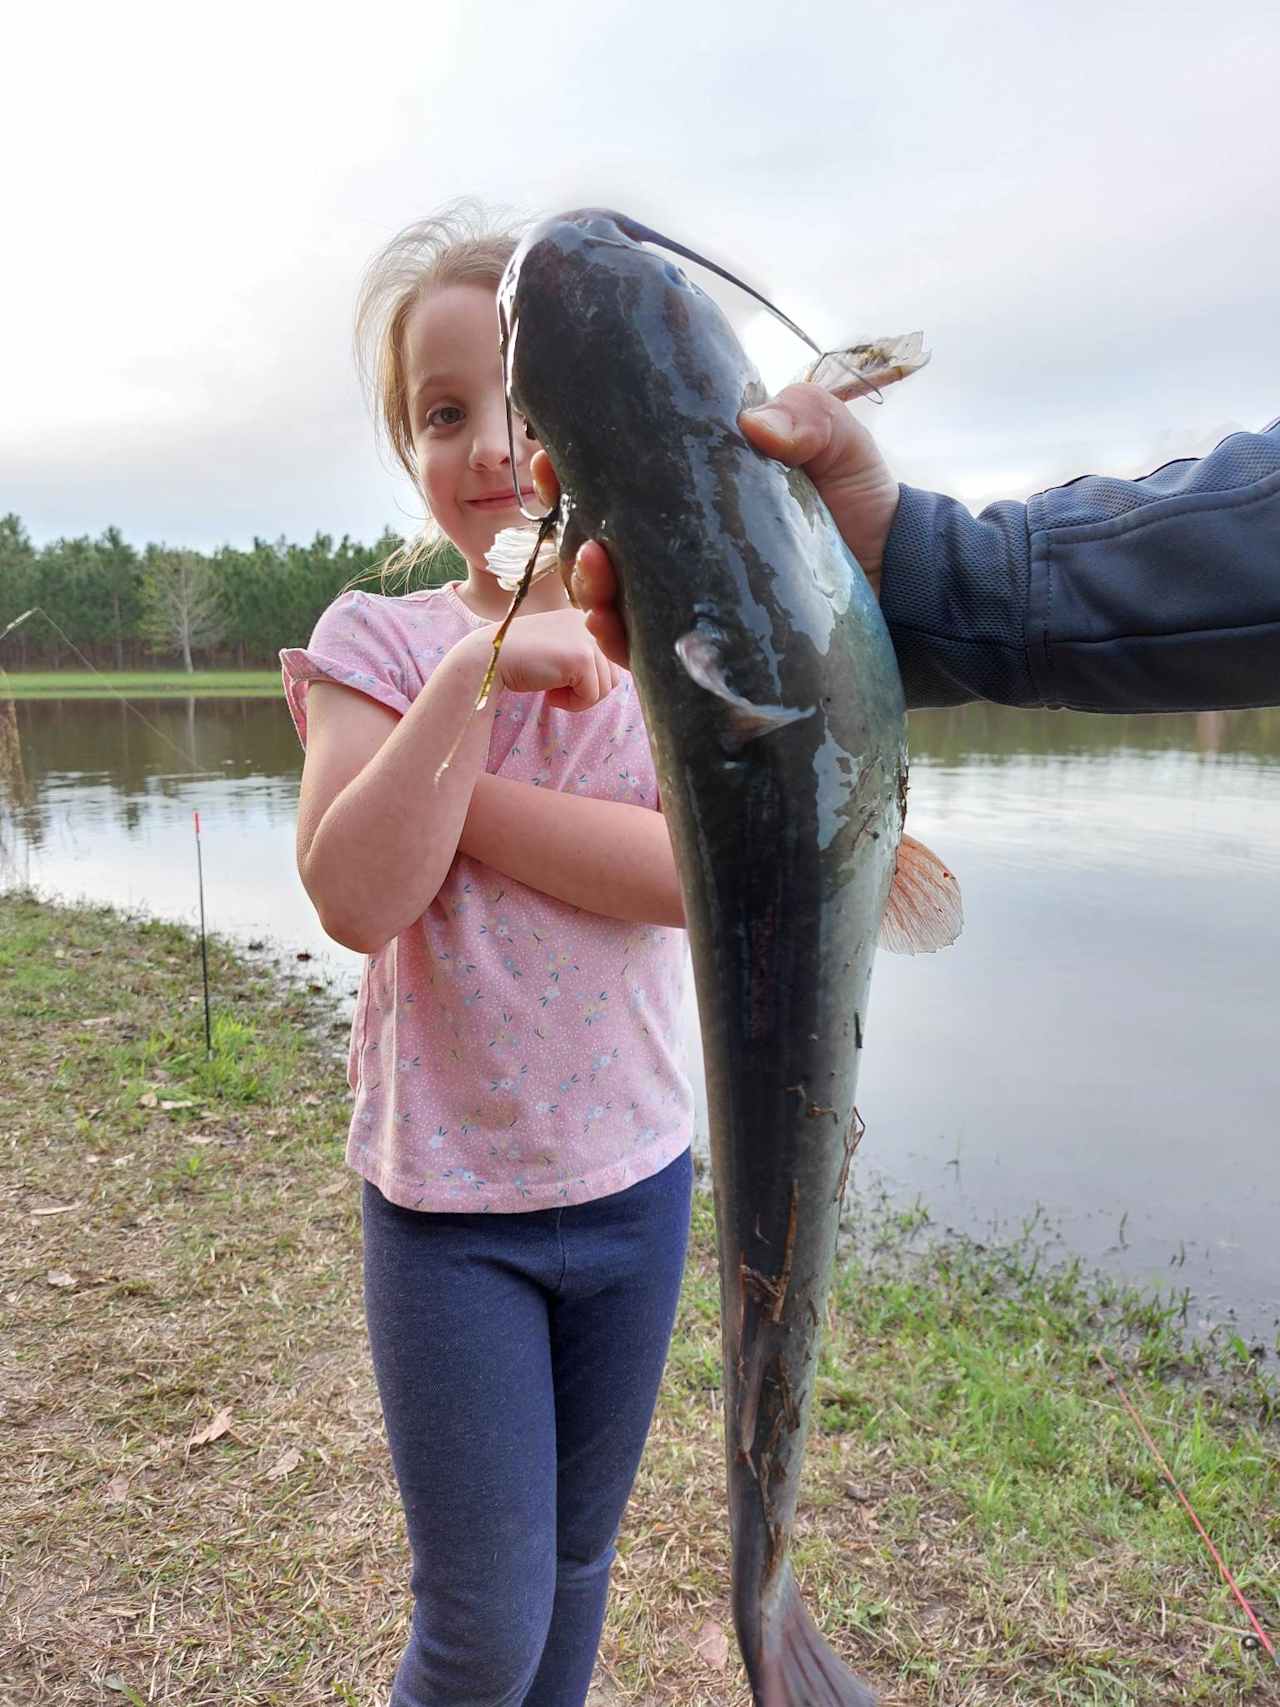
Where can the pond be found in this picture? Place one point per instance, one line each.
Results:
(1098, 1055)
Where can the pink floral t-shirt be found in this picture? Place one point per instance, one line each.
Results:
(509, 1051)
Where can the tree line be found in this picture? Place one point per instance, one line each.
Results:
(126, 608)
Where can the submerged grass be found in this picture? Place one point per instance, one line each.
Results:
(196, 1491)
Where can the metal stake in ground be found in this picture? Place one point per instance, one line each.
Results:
(204, 953)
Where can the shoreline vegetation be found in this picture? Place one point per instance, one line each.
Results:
(122, 606)
(197, 1492)
(141, 684)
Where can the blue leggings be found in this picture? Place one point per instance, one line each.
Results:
(518, 1359)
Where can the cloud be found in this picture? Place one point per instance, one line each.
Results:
(1076, 206)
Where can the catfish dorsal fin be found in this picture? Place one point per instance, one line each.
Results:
(924, 911)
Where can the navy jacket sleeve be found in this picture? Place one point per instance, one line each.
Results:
(1159, 594)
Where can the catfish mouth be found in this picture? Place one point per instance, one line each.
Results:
(618, 231)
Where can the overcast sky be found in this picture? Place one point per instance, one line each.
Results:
(1077, 202)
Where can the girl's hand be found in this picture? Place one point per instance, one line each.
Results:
(553, 653)
(803, 426)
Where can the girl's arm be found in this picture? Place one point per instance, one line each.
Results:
(378, 822)
(602, 855)
(376, 831)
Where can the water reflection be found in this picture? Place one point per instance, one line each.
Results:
(1099, 1045)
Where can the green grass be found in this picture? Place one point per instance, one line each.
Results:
(980, 1522)
(139, 684)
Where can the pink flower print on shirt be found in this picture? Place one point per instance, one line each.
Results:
(441, 994)
(454, 961)
(460, 905)
(511, 1082)
(638, 998)
(465, 1177)
(505, 1036)
(600, 1063)
(560, 960)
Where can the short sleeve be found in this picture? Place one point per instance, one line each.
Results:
(354, 644)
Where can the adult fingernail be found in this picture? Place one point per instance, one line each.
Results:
(578, 580)
(775, 419)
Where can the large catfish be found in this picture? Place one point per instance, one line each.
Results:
(775, 712)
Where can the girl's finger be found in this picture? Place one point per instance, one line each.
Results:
(601, 665)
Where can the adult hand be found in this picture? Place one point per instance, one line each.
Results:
(803, 426)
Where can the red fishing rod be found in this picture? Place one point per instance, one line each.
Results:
(1259, 1637)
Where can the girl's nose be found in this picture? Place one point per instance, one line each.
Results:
(489, 446)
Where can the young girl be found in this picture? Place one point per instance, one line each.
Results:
(521, 1121)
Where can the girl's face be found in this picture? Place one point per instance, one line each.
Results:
(458, 417)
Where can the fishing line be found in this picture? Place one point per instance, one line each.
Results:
(182, 752)
(1260, 1636)
(638, 233)
(645, 234)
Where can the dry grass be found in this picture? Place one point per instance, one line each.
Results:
(168, 1269)
(162, 1266)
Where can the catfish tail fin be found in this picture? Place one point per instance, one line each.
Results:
(797, 1667)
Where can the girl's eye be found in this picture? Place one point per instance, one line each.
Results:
(446, 415)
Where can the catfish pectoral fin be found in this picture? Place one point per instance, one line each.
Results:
(796, 1667)
(924, 910)
(703, 660)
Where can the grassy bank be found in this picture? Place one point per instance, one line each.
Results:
(199, 1489)
(139, 684)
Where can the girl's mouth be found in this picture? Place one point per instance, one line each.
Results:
(499, 500)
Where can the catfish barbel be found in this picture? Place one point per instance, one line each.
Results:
(775, 713)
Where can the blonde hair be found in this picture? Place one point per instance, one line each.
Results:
(462, 244)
